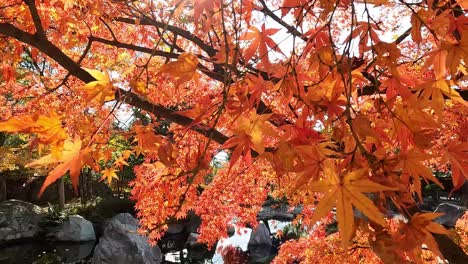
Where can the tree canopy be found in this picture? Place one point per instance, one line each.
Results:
(346, 104)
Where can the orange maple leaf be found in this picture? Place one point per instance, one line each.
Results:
(412, 166)
(456, 154)
(312, 160)
(109, 174)
(344, 193)
(122, 160)
(48, 129)
(203, 6)
(260, 41)
(455, 53)
(417, 231)
(249, 131)
(72, 159)
(183, 69)
(148, 141)
(436, 90)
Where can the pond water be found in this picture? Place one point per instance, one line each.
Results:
(46, 253)
(54, 253)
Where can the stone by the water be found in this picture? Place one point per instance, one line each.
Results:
(19, 220)
(76, 229)
(121, 244)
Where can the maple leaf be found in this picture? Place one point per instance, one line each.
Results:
(456, 153)
(417, 231)
(260, 41)
(413, 118)
(200, 111)
(438, 61)
(313, 157)
(72, 159)
(48, 129)
(249, 131)
(101, 90)
(122, 160)
(148, 141)
(411, 165)
(109, 174)
(436, 91)
(183, 69)
(203, 6)
(455, 53)
(398, 85)
(344, 193)
(416, 29)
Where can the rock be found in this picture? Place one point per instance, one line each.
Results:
(260, 245)
(19, 220)
(260, 236)
(260, 254)
(194, 222)
(231, 230)
(278, 212)
(451, 214)
(76, 229)
(122, 244)
(175, 228)
(192, 240)
(74, 252)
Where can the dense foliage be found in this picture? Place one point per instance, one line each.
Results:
(346, 104)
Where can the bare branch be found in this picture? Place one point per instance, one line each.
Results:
(36, 18)
(130, 98)
(183, 33)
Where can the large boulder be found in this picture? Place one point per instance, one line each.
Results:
(76, 229)
(260, 244)
(122, 244)
(193, 223)
(19, 220)
(260, 236)
(451, 214)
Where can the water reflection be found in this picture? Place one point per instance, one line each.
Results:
(46, 253)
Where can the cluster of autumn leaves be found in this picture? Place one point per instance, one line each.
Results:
(299, 128)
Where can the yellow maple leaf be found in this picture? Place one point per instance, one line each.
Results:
(344, 193)
(184, 68)
(456, 52)
(101, 90)
(109, 174)
(122, 160)
(435, 92)
(48, 129)
(72, 159)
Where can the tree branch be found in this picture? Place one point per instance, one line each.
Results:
(133, 99)
(280, 21)
(35, 17)
(212, 74)
(183, 33)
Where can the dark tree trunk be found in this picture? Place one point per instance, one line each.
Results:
(451, 251)
(3, 189)
(61, 193)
